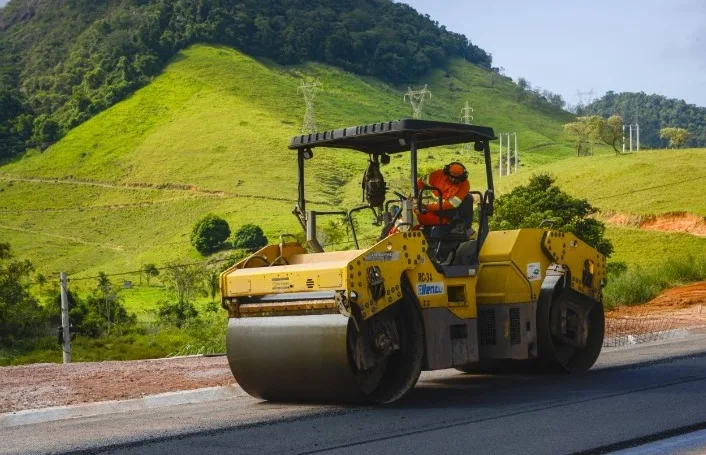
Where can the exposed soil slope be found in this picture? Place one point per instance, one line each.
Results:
(669, 222)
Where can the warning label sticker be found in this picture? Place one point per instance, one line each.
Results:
(382, 256)
(534, 271)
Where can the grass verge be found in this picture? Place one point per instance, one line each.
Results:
(640, 284)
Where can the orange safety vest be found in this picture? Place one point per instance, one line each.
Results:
(452, 195)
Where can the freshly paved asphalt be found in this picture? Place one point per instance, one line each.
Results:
(633, 396)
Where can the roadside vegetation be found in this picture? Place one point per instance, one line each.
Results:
(636, 285)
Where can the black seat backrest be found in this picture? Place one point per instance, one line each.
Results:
(463, 212)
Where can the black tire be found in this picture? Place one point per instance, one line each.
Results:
(403, 367)
(557, 356)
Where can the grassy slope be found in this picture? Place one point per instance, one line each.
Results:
(219, 121)
(210, 135)
(646, 183)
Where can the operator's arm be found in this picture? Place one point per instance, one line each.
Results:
(452, 198)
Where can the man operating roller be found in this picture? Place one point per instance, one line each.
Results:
(452, 180)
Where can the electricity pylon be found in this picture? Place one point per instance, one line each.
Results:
(417, 98)
(467, 114)
(309, 90)
(589, 94)
(467, 118)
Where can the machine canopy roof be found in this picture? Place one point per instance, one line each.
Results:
(394, 136)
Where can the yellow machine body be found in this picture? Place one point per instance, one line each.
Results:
(505, 285)
(360, 325)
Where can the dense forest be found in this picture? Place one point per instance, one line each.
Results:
(62, 61)
(655, 112)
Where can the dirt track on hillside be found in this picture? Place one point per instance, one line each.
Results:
(44, 385)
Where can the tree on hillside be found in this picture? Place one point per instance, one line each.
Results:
(676, 136)
(522, 87)
(108, 301)
(541, 199)
(611, 131)
(185, 283)
(495, 74)
(588, 130)
(21, 316)
(249, 237)
(149, 271)
(209, 234)
(580, 132)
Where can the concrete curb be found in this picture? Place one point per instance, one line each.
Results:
(30, 416)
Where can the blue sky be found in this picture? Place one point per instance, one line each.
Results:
(654, 46)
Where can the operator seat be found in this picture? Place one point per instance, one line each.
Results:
(445, 239)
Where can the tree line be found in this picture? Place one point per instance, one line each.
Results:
(63, 62)
(655, 112)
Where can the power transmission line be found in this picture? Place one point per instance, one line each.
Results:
(135, 272)
(417, 98)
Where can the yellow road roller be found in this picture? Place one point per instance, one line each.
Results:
(359, 325)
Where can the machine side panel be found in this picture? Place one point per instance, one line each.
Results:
(506, 331)
(450, 340)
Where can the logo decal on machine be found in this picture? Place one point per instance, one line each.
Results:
(430, 289)
(534, 271)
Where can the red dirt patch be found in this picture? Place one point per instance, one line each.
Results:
(676, 308)
(676, 222)
(668, 222)
(45, 385)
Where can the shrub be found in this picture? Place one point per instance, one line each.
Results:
(541, 199)
(249, 237)
(176, 313)
(209, 234)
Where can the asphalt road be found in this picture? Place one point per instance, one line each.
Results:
(633, 396)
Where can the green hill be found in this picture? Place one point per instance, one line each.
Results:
(63, 62)
(209, 134)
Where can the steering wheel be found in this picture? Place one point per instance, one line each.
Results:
(420, 207)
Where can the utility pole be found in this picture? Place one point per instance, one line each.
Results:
(500, 160)
(309, 90)
(637, 126)
(509, 167)
(516, 152)
(417, 98)
(623, 138)
(65, 324)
